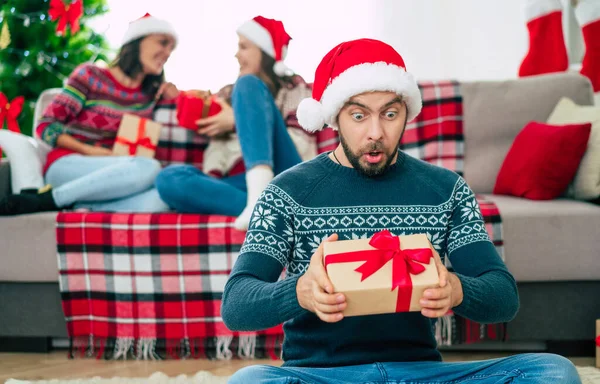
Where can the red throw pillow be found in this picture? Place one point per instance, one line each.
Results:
(542, 160)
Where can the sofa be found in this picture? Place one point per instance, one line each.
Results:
(550, 246)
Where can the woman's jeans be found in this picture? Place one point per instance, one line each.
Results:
(106, 183)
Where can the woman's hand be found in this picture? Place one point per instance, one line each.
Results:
(167, 90)
(218, 124)
(91, 150)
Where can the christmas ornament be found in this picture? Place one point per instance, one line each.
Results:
(4, 36)
(66, 14)
(10, 111)
(24, 69)
(41, 59)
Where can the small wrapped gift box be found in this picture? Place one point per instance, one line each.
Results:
(194, 105)
(384, 274)
(136, 137)
(598, 343)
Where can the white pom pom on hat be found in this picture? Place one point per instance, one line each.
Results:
(310, 115)
(281, 69)
(352, 68)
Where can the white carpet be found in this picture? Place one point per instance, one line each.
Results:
(589, 375)
(202, 377)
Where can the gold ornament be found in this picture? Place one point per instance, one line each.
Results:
(4, 36)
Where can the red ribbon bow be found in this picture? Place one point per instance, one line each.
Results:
(405, 262)
(141, 141)
(10, 112)
(66, 14)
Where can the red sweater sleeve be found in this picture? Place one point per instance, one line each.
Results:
(65, 106)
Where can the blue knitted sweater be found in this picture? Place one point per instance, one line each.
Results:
(315, 199)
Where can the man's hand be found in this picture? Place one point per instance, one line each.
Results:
(436, 302)
(91, 150)
(167, 90)
(218, 124)
(315, 291)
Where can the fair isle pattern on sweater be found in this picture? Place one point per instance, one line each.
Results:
(304, 228)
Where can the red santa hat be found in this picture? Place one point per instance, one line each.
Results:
(352, 68)
(271, 37)
(147, 25)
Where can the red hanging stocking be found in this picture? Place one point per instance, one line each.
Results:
(547, 50)
(588, 17)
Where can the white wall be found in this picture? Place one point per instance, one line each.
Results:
(208, 42)
(463, 39)
(439, 39)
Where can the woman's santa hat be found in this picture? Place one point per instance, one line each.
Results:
(352, 68)
(147, 25)
(271, 37)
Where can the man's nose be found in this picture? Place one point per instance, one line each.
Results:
(375, 131)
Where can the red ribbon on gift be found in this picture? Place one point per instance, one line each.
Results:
(598, 341)
(66, 14)
(141, 141)
(404, 263)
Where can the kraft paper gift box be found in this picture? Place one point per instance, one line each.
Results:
(598, 343)
(384, 274)
(194, 105)
(137, 137)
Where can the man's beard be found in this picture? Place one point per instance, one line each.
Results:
(369, 170)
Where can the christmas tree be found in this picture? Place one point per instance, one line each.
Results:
(41, 42)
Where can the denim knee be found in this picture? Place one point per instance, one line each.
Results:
(553, 369)
(563, 370)
(169, 182)
(257, 374)
(146, 170)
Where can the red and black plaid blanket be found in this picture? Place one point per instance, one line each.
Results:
(149, 286)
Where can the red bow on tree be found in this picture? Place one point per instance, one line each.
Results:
(66, 14)
(10, 112)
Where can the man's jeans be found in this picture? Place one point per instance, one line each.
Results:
(533, 368)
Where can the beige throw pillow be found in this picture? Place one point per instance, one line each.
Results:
(586, 184)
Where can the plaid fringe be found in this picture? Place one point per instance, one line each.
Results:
(244, 347)
(449, 330)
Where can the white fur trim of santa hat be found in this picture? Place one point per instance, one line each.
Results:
(368, 77)
(258, 35)
(262, 37)
(148, 25)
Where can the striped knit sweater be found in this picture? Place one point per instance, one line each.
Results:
(90, 108)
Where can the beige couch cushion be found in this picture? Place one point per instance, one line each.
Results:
(586, 184)
(29, 248)
(550, 240)
(496, 111)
